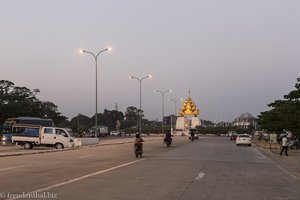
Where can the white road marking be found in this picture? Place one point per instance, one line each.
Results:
(200, 176)
(81, 177)
(87, 156)
(9, 168)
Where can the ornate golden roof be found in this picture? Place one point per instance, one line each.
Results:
(189, 108)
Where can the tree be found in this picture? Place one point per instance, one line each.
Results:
(5, 88)
(81, 123)
(132, 115)
(50, 110)
(284, 115)
(110, 118)
(16, 101)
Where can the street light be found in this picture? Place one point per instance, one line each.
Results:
(96, 61)
(140, 112)
(175, 102)
(163, 105)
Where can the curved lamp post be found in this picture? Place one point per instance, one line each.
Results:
(163, 105)
(175, 102)
(140, 112)
(96, 61)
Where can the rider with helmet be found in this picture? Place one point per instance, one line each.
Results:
(138, 141)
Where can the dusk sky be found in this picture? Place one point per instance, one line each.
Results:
(235, 56)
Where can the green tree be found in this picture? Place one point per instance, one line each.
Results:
(284, 114)
(110, 118)
(132, 116)
(50, 110)
(18, 101)
(81, 123)
(5, 88)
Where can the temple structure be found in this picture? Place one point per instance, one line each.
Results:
(188, 117)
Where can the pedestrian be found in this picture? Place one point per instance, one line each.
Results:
(284, 145)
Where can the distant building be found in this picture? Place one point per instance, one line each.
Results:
(245, 121)
(223, 124)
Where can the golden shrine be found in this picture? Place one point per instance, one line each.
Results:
(189, 108)
(188, 117)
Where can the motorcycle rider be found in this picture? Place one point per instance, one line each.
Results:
(138, 141)
(192, 137)
(168, 136)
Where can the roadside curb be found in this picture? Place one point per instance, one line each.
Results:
(21, 153)
(116, 143)
(105, 143)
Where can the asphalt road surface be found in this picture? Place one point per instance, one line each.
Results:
(212, 168)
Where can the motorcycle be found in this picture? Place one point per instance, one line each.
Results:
(193, 134)
(168, 141)
(192, 138)
(138, 150)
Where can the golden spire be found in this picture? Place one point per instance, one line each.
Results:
(189, 107)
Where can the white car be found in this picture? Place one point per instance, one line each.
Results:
(115, 133)
(243, 139)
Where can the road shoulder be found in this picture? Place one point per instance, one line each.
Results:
(289, 163)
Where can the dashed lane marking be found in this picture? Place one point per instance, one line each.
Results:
(200, 176)
(87, 156)
(10, 168)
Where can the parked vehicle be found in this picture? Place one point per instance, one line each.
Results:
(102, 131)
(30, 136)
(8, 128)
(29, 120)
(243, 139)
(114, 133)
(117, 133)
(294, 144)
(5, 138)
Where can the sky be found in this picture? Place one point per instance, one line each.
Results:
(233, 56)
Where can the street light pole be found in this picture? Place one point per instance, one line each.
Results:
(175, 102)
(163, 109)
(140, 112)
(96, 66)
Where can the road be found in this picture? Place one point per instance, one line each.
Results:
(211, 168)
